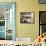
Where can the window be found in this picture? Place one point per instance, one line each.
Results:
(7, 21)
(42, 1)
(42, 22)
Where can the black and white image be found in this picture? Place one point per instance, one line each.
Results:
(26, 17)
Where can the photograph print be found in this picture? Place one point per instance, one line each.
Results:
(27, 17)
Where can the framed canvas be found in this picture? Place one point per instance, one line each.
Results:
(27, 17)
(42, 1)
(7, 20)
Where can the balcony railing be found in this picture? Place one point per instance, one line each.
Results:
(16, 43)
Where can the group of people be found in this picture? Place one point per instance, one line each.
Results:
(41, 38)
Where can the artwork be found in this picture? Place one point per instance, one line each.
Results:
(42, 1)
(27, 17)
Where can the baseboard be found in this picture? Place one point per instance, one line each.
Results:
(24, 39)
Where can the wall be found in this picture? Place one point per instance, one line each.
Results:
(27, 30)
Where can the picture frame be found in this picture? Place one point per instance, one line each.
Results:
(42, 1)
(27, 17)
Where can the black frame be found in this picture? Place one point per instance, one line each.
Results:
(25, 14)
